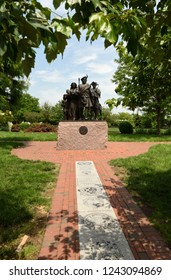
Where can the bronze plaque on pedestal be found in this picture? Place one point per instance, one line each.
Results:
(83, 130)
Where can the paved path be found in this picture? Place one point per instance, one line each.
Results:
(61, 239)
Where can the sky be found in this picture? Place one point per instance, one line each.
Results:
(48, 82)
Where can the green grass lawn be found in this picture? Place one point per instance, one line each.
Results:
(148, 178)
(27, 136)
(113, 135)
(26, 188)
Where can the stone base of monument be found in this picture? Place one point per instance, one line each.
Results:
(82, 135)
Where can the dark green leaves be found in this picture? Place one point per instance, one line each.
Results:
(132, 46)
(24, 25)
(56, 3)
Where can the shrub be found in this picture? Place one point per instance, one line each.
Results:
(125, 127)
(24, 125)
(167, 132)
(5, 117)
(15, 128)
(150, 131)
(141, 131)
(32, 117)
(41, 127)
(4, 127)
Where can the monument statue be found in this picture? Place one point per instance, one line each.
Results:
(72, 97)
(95, 95)
(82, 102)
(85, 94)
(65, 106)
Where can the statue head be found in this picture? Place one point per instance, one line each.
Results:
(73, 85)
(94, 84)
(84, 79)
(64, 96)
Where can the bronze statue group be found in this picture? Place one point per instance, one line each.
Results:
(81, 102)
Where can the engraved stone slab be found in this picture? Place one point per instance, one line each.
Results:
(100, 234)
(82, 135)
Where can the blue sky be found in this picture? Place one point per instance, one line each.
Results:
(49, 82)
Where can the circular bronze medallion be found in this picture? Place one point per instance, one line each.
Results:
(83, 130)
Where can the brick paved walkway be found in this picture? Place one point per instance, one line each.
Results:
(61, 236)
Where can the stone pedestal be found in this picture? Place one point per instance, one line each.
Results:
(82, 135)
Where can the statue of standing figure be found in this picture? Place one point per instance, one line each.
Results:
(85, 96)
(95, 95)
(72, 97)
(82, 102)
(65, 106)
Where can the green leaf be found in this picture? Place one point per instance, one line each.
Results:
(96, 17)
(111, 103)
(164, 30)
(132, 46)
(27, 29)
(150, 20)
(74, 27)
(62, 27)
(56, 3)
(39, 24)
(107, 43)
(72, 2)
(94, 36)
(51, 51)
(96, 3)
(62, 42)
(3, 48)
(27, 65)
(112, 35)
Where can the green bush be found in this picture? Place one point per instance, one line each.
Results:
(15, 128)
(167, 131)
(41, 127)
(4, 127)
(24, 125)
(141, 131)
(147, 131)
(125, 127)
(32, 117)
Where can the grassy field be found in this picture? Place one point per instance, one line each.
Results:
(26, 188)
(113, 135)
(148, 178)
(27, 136)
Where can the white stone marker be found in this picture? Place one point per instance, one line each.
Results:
(100, 234)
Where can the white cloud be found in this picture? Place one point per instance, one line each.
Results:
(100, 68)
(50, 95)
(85, 59)
(52, 76)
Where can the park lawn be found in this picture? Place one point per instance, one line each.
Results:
(27, 136)
(148, 178)
(113, 135)
(26, 189)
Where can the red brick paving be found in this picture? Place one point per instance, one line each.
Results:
(61, 239)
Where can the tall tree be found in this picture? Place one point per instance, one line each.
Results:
(24, 25)
(12, 83)
(144, 81)
(28, 106)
